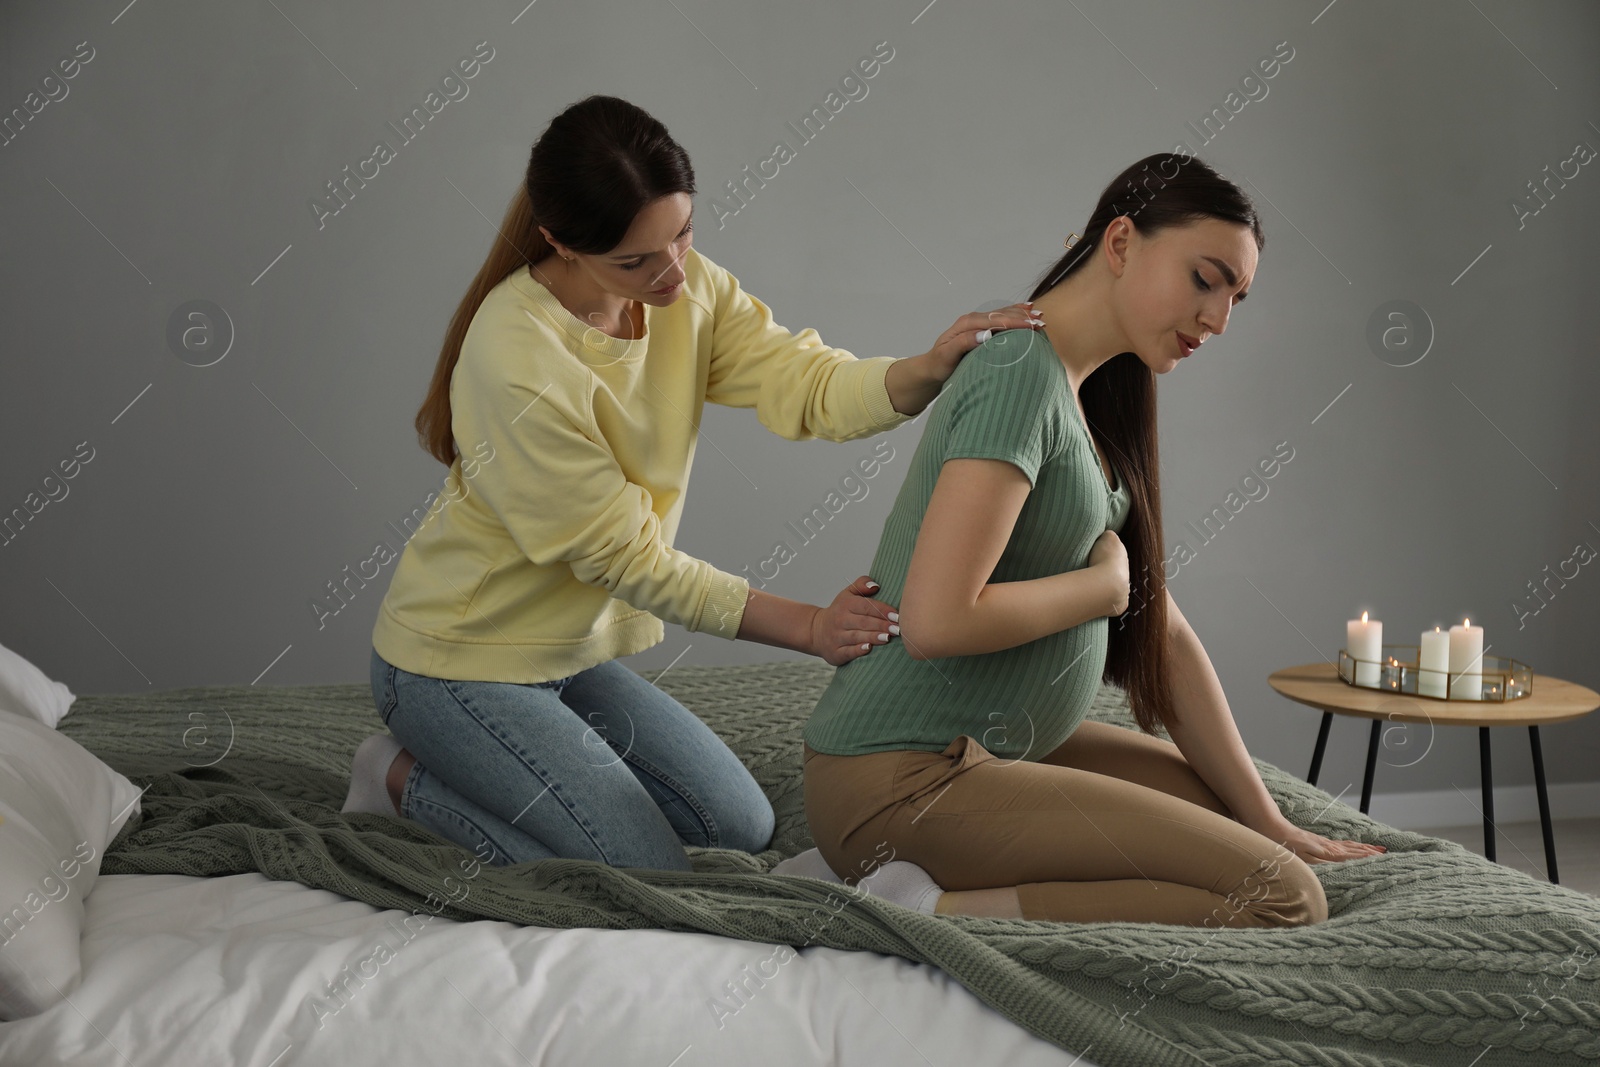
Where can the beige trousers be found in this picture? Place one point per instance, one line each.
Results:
(1113, 825)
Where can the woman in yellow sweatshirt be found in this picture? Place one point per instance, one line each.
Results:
(567, 403)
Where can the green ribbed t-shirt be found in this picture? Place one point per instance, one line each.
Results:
(1008, 399)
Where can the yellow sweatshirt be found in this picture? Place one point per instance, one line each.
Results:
(551, 551)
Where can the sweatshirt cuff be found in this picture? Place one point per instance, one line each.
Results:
(875, 394)
(723, 611)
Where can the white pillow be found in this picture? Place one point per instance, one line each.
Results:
(26, 690)
(60, 805)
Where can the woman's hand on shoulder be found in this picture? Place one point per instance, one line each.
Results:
(852, 624)
(970, 331)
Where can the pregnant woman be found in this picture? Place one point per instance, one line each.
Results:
(962, 748)
(567, 403)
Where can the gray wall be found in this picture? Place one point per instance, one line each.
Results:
(1386, 155)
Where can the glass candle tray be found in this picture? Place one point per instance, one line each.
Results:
(1500, 678)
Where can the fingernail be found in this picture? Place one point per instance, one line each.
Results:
(983, 335)
(872, 585)
(882, 638)
(894, 616)
(894, 630)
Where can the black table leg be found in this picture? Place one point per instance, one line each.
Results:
(1372, 764)
(1322, 743)
(1488, 793)
(1544, 804)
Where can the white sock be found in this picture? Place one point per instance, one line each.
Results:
(369, 773)
(808, 864)
(903, 883)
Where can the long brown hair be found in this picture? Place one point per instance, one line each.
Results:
(1119, 400)
(589, 174)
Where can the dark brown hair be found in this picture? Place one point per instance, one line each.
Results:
(1119, 399)
(591, 171)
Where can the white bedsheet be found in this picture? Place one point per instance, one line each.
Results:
(182, 971)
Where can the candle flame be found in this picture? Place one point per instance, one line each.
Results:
(1468, 622)
(1363, 616)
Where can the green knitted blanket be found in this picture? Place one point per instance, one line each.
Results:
(1431, 954)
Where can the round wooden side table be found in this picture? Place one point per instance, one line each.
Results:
(1318, 685)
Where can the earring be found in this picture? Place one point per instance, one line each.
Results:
(1070, 241)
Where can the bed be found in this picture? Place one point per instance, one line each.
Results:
(239, 918)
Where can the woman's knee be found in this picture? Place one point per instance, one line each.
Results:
(748, 825)
(763, 823)
(1309, 894)
(1282, 891)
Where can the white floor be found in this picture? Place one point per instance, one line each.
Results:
(1521, 845)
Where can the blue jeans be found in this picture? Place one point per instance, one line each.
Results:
(601, 765)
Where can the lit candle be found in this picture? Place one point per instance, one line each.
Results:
(1466, 661)
(1433, 662)
(1391, 674)
(1364, 641)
